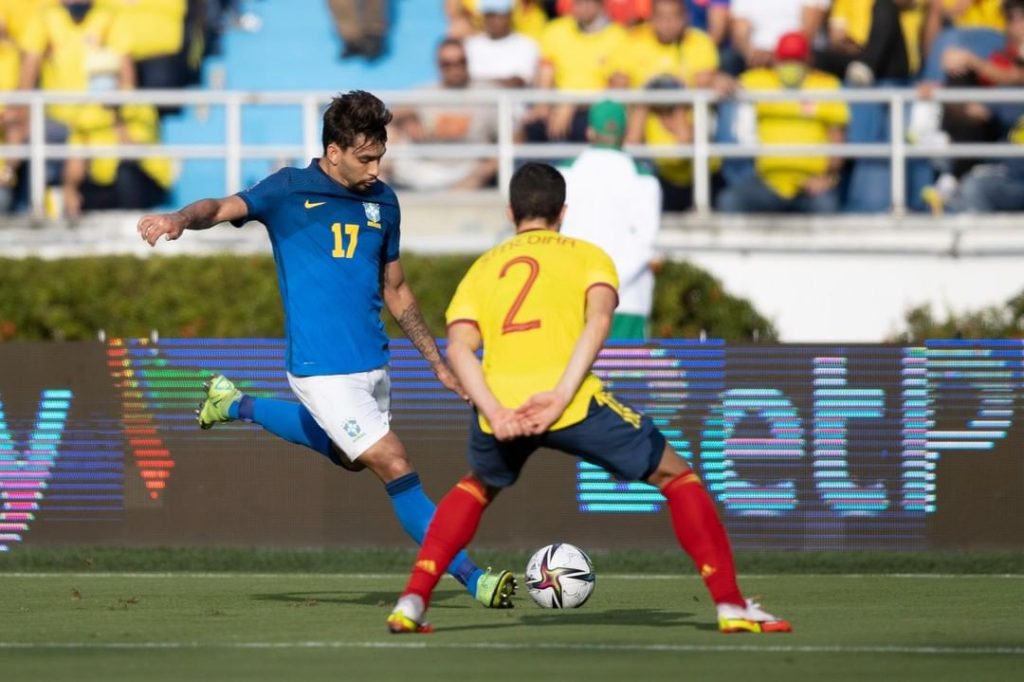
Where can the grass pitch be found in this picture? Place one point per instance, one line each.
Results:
(103, 625)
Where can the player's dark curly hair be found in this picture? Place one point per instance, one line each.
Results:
(537, 190)
(353, 114)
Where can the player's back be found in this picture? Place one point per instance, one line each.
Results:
(528, 298)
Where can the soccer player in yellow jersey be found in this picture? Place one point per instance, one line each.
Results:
(540, 304)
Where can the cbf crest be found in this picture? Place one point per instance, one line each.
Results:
(372, 211)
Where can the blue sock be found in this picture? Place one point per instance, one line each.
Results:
(285, 419)
(414, 511)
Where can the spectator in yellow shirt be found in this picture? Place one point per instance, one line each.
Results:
(69, 46)
(666, 53)
(665, 46)
(576, 54)
(791, 184)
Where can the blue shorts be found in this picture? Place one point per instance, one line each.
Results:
(613, 436)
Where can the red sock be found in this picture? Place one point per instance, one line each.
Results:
(453, 526)
(702, 535)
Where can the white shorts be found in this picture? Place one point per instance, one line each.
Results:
(354, 409)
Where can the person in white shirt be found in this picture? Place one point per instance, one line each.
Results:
(614, 204)
(757, 25)
(499, 56)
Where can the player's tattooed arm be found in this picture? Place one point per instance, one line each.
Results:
(198, 215)
(401, 302)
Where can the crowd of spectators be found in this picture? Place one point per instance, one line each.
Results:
(726, 45)
(577, 45)
(97, 46)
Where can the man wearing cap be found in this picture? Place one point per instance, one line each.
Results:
(797, 184)
(499, 56)
(614, 204)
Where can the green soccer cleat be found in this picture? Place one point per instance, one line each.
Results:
(220, 395)
(495, 589)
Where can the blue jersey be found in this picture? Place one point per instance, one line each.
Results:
(330, 248)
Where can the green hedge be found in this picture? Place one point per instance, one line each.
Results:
(991, 322)
(236, 296)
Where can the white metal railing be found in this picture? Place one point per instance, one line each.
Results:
(508, 103)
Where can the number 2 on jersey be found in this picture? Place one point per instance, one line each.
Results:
(353, 238)
(510, 325)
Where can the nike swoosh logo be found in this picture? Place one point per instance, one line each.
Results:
(312, 204)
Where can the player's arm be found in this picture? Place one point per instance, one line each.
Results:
(201, 215)
(543, 409)
(401, 303)
(464, 341)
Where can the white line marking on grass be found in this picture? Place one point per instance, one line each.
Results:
(388, 576)
(524, 646)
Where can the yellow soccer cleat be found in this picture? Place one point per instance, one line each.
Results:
(401, 624)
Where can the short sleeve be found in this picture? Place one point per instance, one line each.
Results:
(464, 306)
(263, 197)
(601, 270)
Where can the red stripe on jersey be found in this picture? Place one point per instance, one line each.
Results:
(605, 284)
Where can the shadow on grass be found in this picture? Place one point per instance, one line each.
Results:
(573, 619)
(616, 618)
(361, 597)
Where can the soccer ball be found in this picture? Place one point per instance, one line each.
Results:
(560, 576)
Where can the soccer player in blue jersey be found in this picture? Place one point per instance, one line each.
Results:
(335, 229)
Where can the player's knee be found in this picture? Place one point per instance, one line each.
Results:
(670, 467)
(387, 459)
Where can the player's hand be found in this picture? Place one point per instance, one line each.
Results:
(506, 424)
(540, 411)
(447, 377)
(168, 225)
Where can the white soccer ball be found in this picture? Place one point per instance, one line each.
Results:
(560, 576)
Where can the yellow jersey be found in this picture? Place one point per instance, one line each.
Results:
(141, 126)
(582, 61)
(152, 28)
(794, 122)
(68, 49)
(643, 57)
(527, 296)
